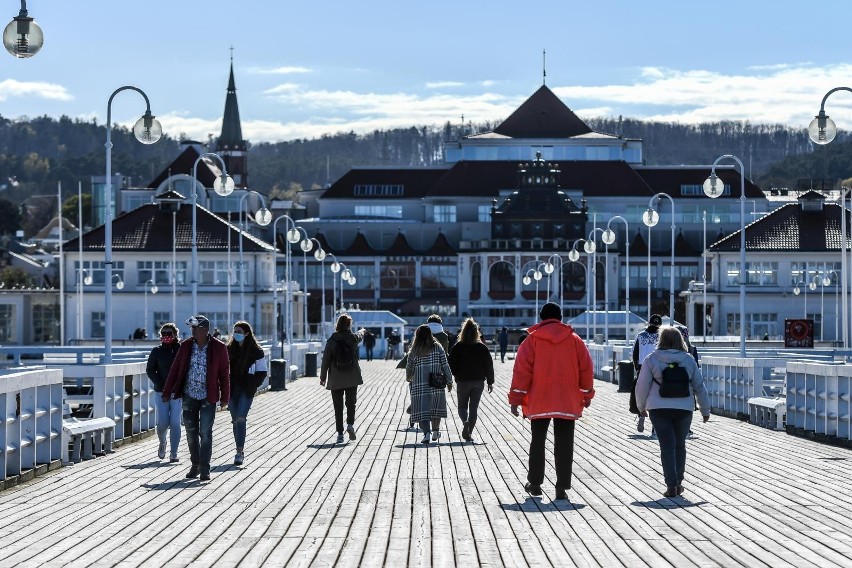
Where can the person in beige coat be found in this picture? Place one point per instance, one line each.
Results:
(341, 373)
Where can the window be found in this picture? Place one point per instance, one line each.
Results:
(212, 272)
(45, 323)
(156, 270)
(397, 276)
(502, 278)
(7, 324)
(439, 277)
(392, 211)
(444, 214)
(95, 269)
(698, 190)
(483, 213)
(757, 274)
(808, 271)
(379, 190)
(160, 318)
(97, 324)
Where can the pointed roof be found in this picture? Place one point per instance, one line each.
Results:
(682, 246)
(639, 246)
(232, 132)
(441, 247)
(205, 173)
(543, 115)
(400, 246)
(359, 246)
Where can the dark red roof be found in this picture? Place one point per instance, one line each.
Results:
(669, 179)
(149, 229)
(543, 115)
(791, 228)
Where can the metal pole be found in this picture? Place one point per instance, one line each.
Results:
(704, 277)
(649, 273)
(80, 255)
(231, 268)
(174, 266)
(61, 266)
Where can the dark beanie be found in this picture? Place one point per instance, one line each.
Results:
(550, 311)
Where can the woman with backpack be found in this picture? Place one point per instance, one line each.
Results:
(248, 371)
(428, 373)
(667, 382)
(472, 365)
(342, 373)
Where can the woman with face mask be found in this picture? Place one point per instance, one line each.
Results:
(248, 370)
(168, 413)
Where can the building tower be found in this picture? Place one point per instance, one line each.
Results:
(231, 145)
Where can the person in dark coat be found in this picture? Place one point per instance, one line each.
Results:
(168, 412)
(369, 344)
(472, 366)
(342, 381)
(503, 342)
(428, 404)
(248, 371)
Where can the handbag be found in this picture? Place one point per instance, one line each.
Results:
(437, 380)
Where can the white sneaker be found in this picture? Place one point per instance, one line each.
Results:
(435, 435)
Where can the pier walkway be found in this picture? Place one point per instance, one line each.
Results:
(754, 497)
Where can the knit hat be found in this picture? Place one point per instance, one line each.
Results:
(656, 319)
(550, 310)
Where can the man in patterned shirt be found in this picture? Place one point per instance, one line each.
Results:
(201, 375)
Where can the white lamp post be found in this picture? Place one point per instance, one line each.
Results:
(154, 290)
(549, 268)
(591, 248)
(826, 281)
(813, 286)
(714, 187)
(306, 245)
(608, 238)
(147, 130)
(650, 217)
(119, 283)
(262, 217)
(223, 186)
(704, 277)
(822, 130)
(536, 275)
(287, 299)
(797, 291)
(82, 280)
(23, 37)
(319, 254)
(335, 268)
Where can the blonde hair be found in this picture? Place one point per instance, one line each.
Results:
(670, 338)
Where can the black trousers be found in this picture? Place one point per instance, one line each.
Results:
(337, 398)
(563, 450)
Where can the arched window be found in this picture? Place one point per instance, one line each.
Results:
(501, 280)
(475, 280)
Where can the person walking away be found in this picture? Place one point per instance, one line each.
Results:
(503, 342)
(248, 371)
(393, 340)
(201, 375)
(369, 344)
(552, 379)
(168, 411)
(341, 372)
(436, 326)
(472, 366)
(643, 345)
(427, 365)
(667, 382)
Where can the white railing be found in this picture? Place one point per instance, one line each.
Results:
(30, 421)
(818, 399)
(731, 381)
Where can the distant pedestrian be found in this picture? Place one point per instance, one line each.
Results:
(667, 382)
(552, 379)
(644, 344)
(342, 373)
(394, 346)
(168, 411)
(436, 325)
(369, 344)
(472, 366)
(427, 364)
(201, 375)
(503, 342)
(248, 371)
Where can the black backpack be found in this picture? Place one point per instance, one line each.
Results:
(675, 383)
(343, 356)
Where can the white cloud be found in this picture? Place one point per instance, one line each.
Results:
(283, 70)
(12, 88)
(444, 84)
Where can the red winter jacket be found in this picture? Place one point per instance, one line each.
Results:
(553, 373)
(218, 371)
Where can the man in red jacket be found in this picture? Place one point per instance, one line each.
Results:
(552, 379)
(201, 375)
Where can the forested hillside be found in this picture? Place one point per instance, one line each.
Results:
(35, 153)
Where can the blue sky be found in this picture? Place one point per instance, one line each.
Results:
(304, 69)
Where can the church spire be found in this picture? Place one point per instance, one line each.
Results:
(231, 145)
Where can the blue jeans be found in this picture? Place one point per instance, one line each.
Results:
(168, 417)
(239, 406)
(672, 426)
(198, 418)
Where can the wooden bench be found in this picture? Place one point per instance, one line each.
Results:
(85, 436)
(767, 412)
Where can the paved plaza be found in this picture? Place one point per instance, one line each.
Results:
(753, 497)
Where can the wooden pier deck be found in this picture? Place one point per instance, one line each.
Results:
(753, 497)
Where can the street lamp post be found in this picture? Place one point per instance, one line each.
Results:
(154, 290)
(608, 238)
(713, 188)
(224, 186)
(83, 280)
(306, 245)
(335, 268)
(23, 37)
(147, 130)
(827, 281)
(704, 277)
(320, 254)
(549, 268)
(797, 290)
(650, 217)
(536, 275)
(287, 307)
(262, 217)
(591, 249)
